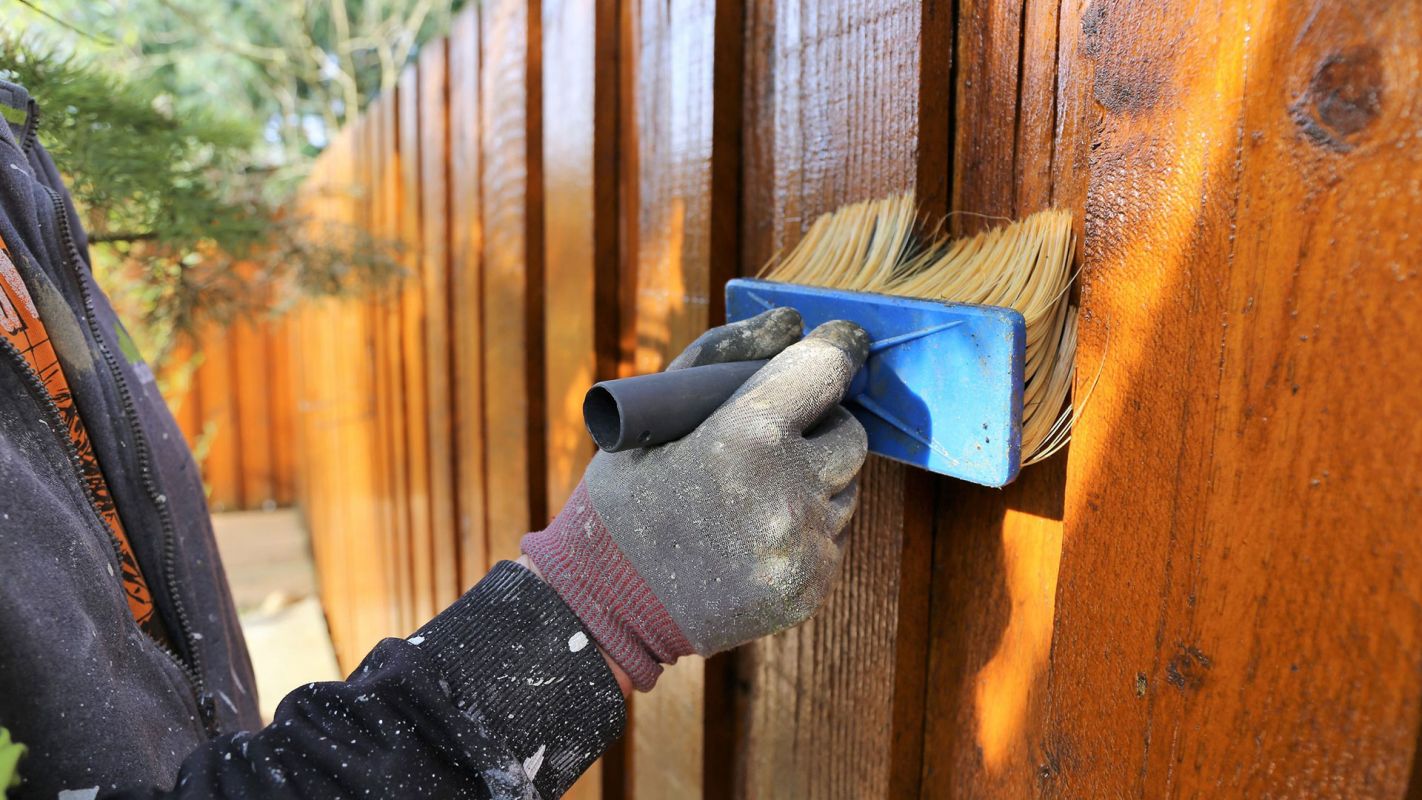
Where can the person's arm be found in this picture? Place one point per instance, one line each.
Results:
(729, 534)
(624, 683)
(500, 696)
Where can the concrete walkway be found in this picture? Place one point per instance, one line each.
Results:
(268, 559)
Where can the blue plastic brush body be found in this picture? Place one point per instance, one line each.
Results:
(942, 387)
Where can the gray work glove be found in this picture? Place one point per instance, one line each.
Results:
(731, 533)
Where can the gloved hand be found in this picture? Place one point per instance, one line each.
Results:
(731, 533)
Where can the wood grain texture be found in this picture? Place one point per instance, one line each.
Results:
(338, 424)
(217, 401)
(466, 289)
(669, 159)
(579, 262)
(996, 552)
(415, 366)
(394, 385)
(371, 478)
(570, 236)
(512, 279)
(252, 418)
(1237, 610)
(436, 559)
(282, 409)
(833, 112)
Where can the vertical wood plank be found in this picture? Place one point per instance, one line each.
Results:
(570, 237)
(252, 388)
(221, 468)
(575, 263)
(179, 381)
(436, 558)
(365, 492)
(1235, 614)
(466, 235)
(669, 156)
(386, 332)
(832, 116)
(580, 202)
(513, 279)
(282, 408)
(996, 552)
(414, 364)
(327, 415)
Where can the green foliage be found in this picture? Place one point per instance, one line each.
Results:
(184, 227)
(299, 69)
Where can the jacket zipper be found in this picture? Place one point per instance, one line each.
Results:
(56, 426)
(192, 665)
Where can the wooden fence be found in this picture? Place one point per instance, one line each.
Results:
(1214, 593)
(237, 410)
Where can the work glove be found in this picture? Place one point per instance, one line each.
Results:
(731, 533)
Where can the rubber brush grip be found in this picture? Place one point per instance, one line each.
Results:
(647, 410)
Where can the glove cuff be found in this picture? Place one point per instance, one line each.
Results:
(579, 559)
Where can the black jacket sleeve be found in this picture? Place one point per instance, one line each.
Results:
(501, 695)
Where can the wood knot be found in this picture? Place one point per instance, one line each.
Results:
(1344, 96)
(1186, 671)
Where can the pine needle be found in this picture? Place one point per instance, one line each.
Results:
(871, 246)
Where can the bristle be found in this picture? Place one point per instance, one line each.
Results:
(871, 246)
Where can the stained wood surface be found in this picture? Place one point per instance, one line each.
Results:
(1210, 594)
(669, 154)
(436, 556)
(996, 552)
(217, 419)
(466, 282)
(337, 424)
(281, 395)
(513, 280)
(250, 411)
(579, 264)
(573, 225)
(394, 384)
(1238, 603)
(252, 414)
(415, 364)
(834, 708)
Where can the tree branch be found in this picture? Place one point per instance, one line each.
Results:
(121, 237)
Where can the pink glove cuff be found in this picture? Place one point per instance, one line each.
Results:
(579, 559)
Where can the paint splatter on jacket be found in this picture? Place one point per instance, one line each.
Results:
(498, 696)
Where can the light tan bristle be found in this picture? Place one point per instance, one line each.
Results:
(871, 246)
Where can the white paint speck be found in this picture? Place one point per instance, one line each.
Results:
(416, 640)
(577, 641)
(533, 763)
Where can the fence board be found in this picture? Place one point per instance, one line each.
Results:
(834, 115)
(513, 280)
(466, 220)
(281, 409)
(996, 553)
(437, 560)
(217, 399)
(668, 156)
(1232, 613)
(570, 237)
(252, 432)
(393, 375)
(413, 366)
